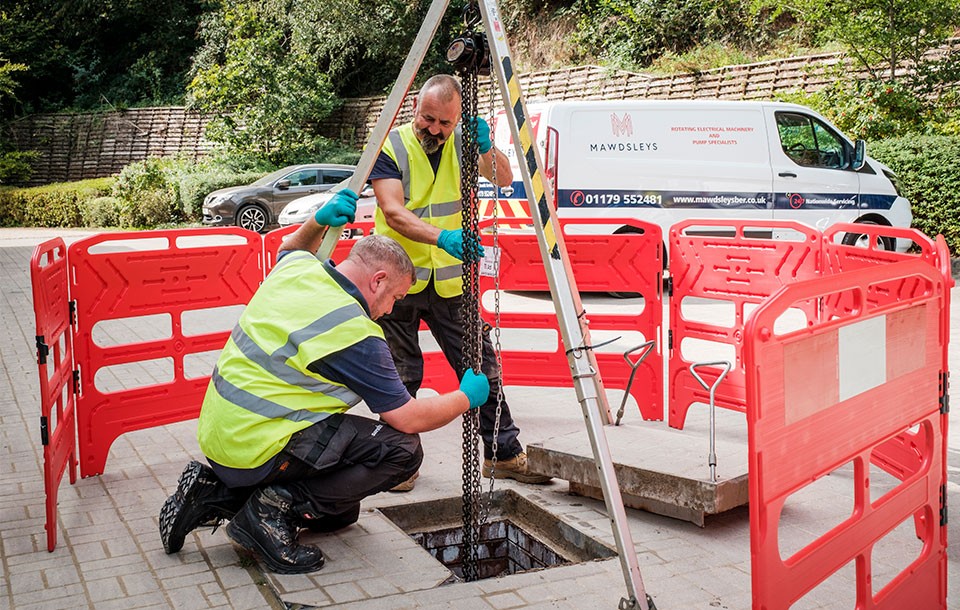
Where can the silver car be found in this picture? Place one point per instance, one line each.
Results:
(298, 210)
(257, 206)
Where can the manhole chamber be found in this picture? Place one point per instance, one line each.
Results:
(517, 535)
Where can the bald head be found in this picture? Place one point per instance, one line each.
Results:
(445, 87)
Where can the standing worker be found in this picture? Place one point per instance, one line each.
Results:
(283, 452)
(416, 179)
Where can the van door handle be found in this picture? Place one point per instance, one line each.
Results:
(787, 175)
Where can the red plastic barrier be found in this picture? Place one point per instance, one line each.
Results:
(522, 270)
(798, 433)
(728, 265)
(51, 305)
(838, 257)
(131, 275)
(638, 270)
(273, 239)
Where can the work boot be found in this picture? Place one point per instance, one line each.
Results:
(407, 485)
(515, 468)
(324, 524)
(201, 499)
(267, 526)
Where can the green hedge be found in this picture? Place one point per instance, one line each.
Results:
(53, 205)
(193, 188)
(928, 174)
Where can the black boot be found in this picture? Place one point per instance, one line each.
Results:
(326, 523)
(200, 499)
(266, 525)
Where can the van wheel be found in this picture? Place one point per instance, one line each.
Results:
(626, 295)
(862, 240)
(252, 217)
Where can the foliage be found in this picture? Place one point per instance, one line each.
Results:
(876, 109)
(362, 44)
(53, 205)
(630, 35)
(16, 166)
(194, 187)
(928, 174)
(101, 212)
(884, 34)
(264, 90)
(85, 54)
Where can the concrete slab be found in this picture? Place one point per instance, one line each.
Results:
(659, 469)
(371, 559)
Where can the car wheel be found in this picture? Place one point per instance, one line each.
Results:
(252, 217)
(862, 240)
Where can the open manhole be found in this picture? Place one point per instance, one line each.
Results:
(517, 535)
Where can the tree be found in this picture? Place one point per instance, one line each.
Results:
(84, 52)
(885, 35)
(14, 165)
(265, 92)
(907, 89)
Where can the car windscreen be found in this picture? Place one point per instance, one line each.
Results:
(270, 177)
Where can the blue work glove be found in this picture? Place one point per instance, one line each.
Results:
(341, 209)
(451, 242)
(481, 131)
(476, 387)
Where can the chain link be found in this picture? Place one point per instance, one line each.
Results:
(496, 309)
(473, 327)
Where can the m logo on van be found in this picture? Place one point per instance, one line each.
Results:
(621, 127)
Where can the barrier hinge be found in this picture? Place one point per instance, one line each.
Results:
(944, 392)
(76, 382)
(43, 350)
(44, 433)
(73, 312)
(670, 339)
(668, 286)
(943, 505)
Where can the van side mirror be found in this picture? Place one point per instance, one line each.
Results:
(859, 155)
(283, 184)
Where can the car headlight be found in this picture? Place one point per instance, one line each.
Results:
(214, 200)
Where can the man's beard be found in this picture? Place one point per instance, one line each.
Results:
(429, 143)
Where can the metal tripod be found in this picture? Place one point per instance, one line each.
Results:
(563, 288)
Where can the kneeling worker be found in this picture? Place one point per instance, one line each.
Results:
(283, 452)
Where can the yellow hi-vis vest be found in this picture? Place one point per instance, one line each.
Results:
(261, 391)
(435, 200)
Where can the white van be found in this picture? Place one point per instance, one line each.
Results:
(666, 161)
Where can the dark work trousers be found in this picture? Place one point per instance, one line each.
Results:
(401, 328)
(330, 471)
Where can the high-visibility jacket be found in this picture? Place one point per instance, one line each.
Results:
(434, 199)
(261, 391)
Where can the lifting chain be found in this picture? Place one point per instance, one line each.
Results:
(496, 307)
(470, 308)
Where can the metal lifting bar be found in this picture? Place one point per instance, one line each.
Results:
(563, 288)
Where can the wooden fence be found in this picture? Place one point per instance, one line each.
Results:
(91, 145)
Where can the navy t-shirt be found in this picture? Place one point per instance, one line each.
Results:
(385, 167)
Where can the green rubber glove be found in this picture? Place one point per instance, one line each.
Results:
(481, 131)
(341, 209)
(451, 242)
(476, 387)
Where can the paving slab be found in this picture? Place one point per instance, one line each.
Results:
(659, 469)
